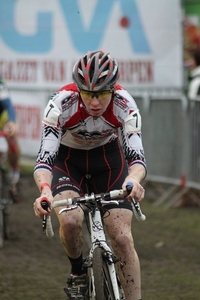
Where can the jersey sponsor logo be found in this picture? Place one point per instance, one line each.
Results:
(64, 178)
(69, 185)
(92, 129)
(94, 135)
(120, 101)
(69, 101)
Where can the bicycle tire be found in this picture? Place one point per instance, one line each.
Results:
(102, 280)
(1, 212)
(5, 206)
(6, 226)
(1, 228)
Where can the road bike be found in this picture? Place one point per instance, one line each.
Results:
(104, 283)
(5, 195)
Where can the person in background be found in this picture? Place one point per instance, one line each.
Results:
(194, 79)
(80, 136)
(193, 93)
(9, 126)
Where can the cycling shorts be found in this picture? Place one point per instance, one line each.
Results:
(3, 118)
(106, 165)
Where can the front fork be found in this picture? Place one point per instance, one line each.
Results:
(98, 239)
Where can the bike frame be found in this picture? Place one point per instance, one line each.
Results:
(96, 230)
(98, 239)
(5, 200)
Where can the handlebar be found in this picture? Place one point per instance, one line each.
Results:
(104, 198)
(46, 221)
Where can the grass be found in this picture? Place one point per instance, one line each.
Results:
(168, 246)
(26, 168)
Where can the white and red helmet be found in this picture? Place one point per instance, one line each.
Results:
(95, 71)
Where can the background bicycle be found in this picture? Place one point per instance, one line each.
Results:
(104, 283)
(5, 195)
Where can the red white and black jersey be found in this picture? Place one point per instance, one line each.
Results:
(67, 122)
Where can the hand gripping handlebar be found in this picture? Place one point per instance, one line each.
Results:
(46, 221)
(72, 203)
(136, 206)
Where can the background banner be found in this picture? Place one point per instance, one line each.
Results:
(41, 40)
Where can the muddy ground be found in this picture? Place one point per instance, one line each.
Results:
(168, 242)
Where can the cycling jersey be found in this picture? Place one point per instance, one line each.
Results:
(194, 85)
(5, 103)
(67, 122)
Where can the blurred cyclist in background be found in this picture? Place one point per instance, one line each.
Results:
(79, 137)
(194, 83)
(9, 126)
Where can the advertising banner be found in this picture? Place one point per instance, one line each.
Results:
(29, 110)
(41, 40)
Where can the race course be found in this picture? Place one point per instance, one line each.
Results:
(34, 267)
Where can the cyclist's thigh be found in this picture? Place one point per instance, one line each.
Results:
(73, 217)
(66, 183)
(118, 220)
(66, 172)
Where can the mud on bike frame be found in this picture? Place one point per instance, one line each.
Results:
(104, 282)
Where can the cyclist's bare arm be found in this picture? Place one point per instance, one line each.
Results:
(43, 180)
(136, 174)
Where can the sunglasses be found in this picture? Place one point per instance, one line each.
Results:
(99, 95)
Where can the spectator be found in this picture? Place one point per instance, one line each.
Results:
(9, 125)
(194, 84)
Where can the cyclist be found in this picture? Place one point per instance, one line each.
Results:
(9, 125)
(80, 136)
(194, 83)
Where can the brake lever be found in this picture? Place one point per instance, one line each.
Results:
(136, 206)
(45, 206)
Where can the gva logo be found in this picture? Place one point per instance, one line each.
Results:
(82, 39)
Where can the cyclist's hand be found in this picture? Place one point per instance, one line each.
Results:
(39, 211)
(137, 191)
(11, 129)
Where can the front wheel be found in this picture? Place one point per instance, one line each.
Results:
(6, 226)
(1, 228)
(102, 281)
